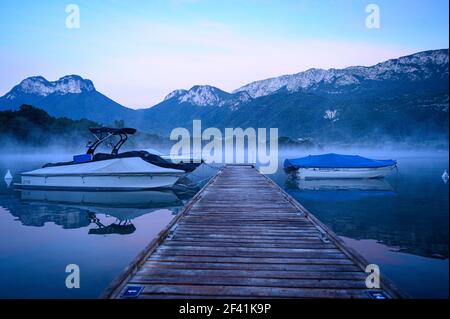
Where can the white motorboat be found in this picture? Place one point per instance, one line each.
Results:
(134, 170)
(330, 166)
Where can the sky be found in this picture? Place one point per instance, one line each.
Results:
(137, 51)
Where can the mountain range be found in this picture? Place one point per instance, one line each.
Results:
(399, 99)
(71, 96)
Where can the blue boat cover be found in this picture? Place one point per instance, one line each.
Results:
(335, 161)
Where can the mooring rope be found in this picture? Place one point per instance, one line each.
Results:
(202, 180)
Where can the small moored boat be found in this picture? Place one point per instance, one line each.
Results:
(329, 166)
(134, 170)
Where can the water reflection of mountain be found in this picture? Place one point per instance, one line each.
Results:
(371, 209)
(80, 209)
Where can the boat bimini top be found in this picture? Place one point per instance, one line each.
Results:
(104, 133)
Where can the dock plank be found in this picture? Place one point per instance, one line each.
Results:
(242, 236)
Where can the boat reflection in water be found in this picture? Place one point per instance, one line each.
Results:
(339, 189)
(123, 206)
(122, 227)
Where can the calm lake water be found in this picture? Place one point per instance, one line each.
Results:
(399, 223)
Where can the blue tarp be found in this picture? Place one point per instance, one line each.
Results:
(335, 161)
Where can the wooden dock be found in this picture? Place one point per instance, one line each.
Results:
(242, 236)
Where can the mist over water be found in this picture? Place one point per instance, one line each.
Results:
(400, 223)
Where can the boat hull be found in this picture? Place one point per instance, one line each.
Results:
(100, 182)
(343, 173)
(130, 173)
